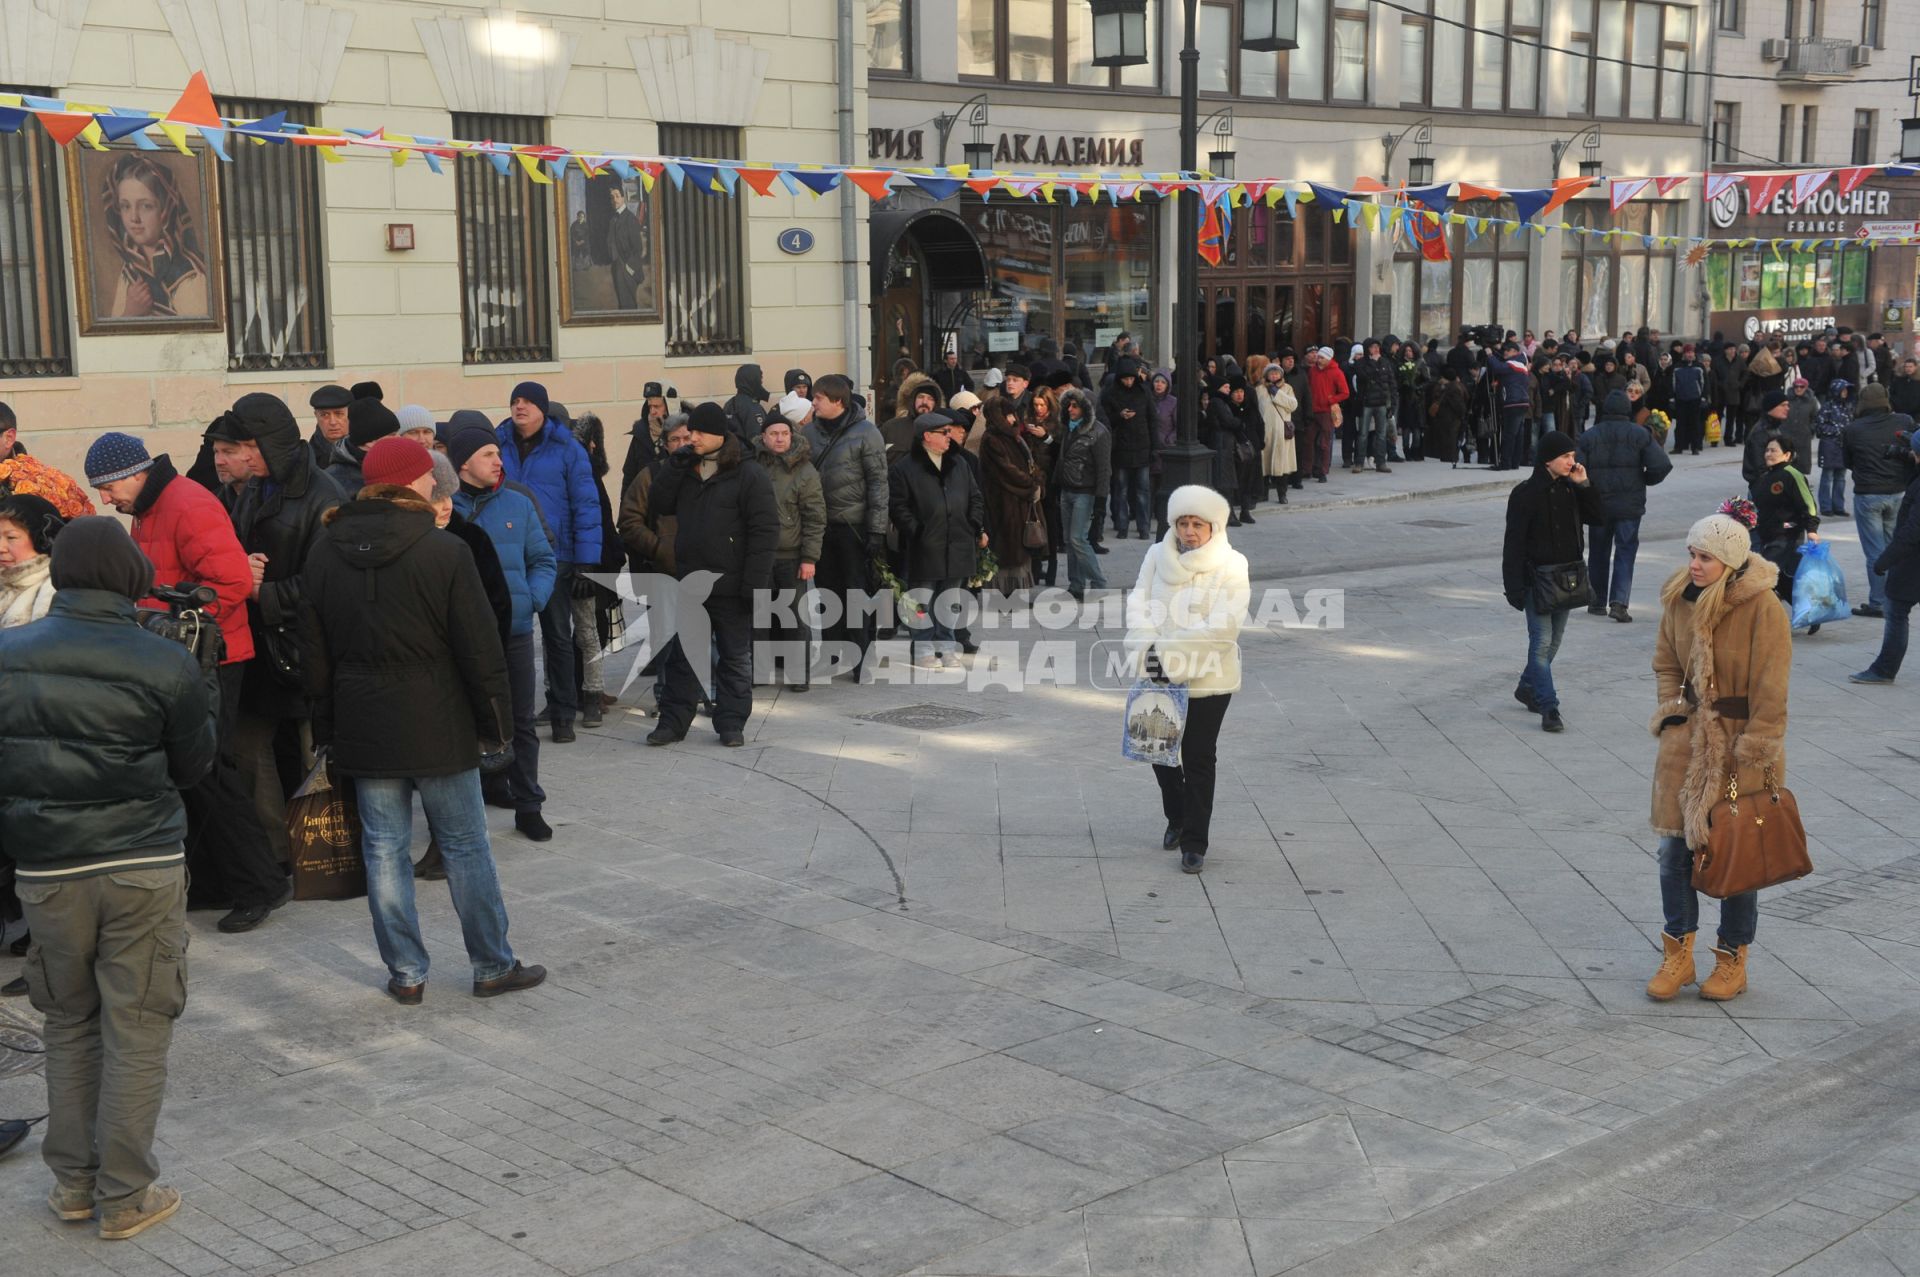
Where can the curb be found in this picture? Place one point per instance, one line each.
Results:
(1479, 488)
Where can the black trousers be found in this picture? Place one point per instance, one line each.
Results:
(228, 854)
(787, 647)
(844, 567)
(732, 622)
(1186, 791)
(522, 777)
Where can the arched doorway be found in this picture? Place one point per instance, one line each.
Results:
(927, 271)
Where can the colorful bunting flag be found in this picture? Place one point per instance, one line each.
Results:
(61, 127)
(1805, 184)
(1850, 178)
(196, 104)
(1762, 187)
(1622, 189)
(1666, 184)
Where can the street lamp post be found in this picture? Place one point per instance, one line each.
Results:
(1589, 167)
(1119, 39)
(978, 152)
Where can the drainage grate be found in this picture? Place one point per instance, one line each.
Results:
(927, 718)
(1436, 523)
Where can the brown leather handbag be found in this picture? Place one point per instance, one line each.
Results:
(1752, 844)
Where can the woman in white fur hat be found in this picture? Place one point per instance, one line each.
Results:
(1722, 662)
(1183, 625)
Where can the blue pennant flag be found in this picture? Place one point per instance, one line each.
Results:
(701, 175)
(729, 178)
(502, 163)
(268, 127)
(624, 169)
(939, 188)
(216, 139)
(1433, 197)
(677, 174)
(113, 126)
(818, 183)
(786, 180)
(1529, 203)
(1326, 196)
(11, 118)
(1293, 201)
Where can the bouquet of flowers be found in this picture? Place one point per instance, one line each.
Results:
(989, 568)
(1741, 510)
(908, 610)
(1660, 424)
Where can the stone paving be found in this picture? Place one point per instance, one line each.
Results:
(903, 990)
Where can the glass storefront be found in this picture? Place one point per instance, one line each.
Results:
(1485, 282)
(1609, 284)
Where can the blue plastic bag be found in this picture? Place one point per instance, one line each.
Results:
(1819, 589)
(1155, 720)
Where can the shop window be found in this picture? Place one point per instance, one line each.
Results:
(1043, 42)
(1612, 284)
(890, 37)
(704, 256)
(34, 336)
(271, 222)
(1719, 279)
(1484, 283)
(1330, 64)
(1853, 275)
(505, 259)
(1082, 274)
(1773, 283)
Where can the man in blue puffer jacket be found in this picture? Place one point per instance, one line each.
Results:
(1509, 372)
(513, 525)
(538, 451)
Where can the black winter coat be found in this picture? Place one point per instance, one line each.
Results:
(1867, 440)
(1901, 559)
(939, 513)
(1544, 515)
(1904, 392)
(1375, 385)
(1132, 436)
(101, 724)
(1623, 460)
(729, 524)
(1083, 459)
(280, 516)
(404, 660)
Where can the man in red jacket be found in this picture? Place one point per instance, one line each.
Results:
(187, 535)
(1328, 388)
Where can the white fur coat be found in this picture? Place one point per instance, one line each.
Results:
(1189, 607)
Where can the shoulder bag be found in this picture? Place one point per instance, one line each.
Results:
(1560, 585)
(1750, 845)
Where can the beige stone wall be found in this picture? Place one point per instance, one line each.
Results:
(395, 317)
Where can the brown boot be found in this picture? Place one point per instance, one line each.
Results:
(1729, 978)
(136, 1217)
(71, 1204)
(1676, 969)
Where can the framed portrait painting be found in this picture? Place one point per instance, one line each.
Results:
(146, 239)
(609, 250)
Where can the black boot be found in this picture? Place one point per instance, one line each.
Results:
(1170, 839)
(1192, 862)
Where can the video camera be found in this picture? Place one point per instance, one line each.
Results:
(187, 621)
(1486, 336)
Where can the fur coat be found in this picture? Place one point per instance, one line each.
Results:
(1189, 607)
(1739, 645)
(26, 591)
(1276, 410)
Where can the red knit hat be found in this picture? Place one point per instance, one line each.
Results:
(396, 460)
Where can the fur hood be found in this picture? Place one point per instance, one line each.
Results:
(1070, 395)
(793, 458)
(913, 385)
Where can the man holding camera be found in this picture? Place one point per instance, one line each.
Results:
(185, 533)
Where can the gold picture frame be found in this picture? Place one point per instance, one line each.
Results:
(590, 255)
(146, 240)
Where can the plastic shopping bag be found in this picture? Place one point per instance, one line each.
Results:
(1156, 719)
(323, 827)
(1819, 589)
(1713, 428)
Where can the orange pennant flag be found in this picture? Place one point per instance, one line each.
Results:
(196, 104)
(63, 128)
(1565, 189)
(1366, 186)
(983, 185)
(1468, 191)
(760, 179)
(873, 182)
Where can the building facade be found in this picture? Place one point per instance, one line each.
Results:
(1803, 84)
(1504, 92)
(281, 270)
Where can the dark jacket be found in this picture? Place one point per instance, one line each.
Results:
(1901, 559)
(1544, 515)
(939, 514)
(951, 380)
(647, 536)
(1375, 385)
(404, 660)
(726, 523)
(1623, 461)
(852, 461)
(486, 560)
(744, 410)
(1515, 388)
(560, 474)
(796, 496)
(1797, 428)
(521, 551)
(344, 468)
(1083, 456)
(101, 725)
(322, 448)
(280, 516)
(1132, 436)
(1904, 392)
(1689, 383)
(1866, 442)
(1784, 505)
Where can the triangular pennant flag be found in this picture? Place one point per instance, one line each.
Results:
(92, 136)
(502, 162)
(11, 118)
(1210, 192)
(983, 186)
(1469, 191)
(1371, 212)
(146, 143)
(700, 175)
(400, 154)
(1293, 202)
(176, 134)
(1474, 226)
(1565, 189)
(1327, 196)
(623, 170)
(786, 180)
(63, 128)
(433, 162)
(1023, 190)
(1046, 191)
(1256, 191)
(817, 182)
(216, 139)
(1762, 187)
(876, 184)
(1528, 203)
(116, 126)
(1719, 184)
(1805, 184)
(1365, 186)
(1433, 198)
(1666, 184)
(759, 180)
(730, 178)
(269, 127)
(196, 104)
(531, 163)
(1622, 189)
(1852, 177)
(1124, 190)
(676, 175)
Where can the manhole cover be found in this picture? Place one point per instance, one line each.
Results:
(1436, 523)
(927, 718)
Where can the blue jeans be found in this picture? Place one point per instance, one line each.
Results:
(1833, 489)
(458, 818)
(1543, 642)
(934, 633)
(1376, 422)
(1132, 494)
(1739, 915)
(1874, 515)
(1614, 545)
(1893, 640)
(1083, 568)
(556, 644)
(1513, 435)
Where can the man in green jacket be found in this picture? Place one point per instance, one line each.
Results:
(102, 725)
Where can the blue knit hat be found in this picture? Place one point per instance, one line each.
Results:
(115, 456)
(531, 391)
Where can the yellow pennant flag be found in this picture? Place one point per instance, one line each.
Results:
(532, 165)
(93, 137)
(176, 134)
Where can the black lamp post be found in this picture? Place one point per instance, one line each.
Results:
(1120, 40)
(978, 153)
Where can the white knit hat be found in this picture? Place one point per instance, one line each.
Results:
(1722, 536)
(794, 408)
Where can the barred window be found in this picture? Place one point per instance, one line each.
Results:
(34, 340)
(276, 262)
(705, 257)
(506, 293)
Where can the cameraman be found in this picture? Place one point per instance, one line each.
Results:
(185, 533)
(1881, 473)
(1514, 383)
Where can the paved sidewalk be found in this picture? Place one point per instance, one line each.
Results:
(925, 996)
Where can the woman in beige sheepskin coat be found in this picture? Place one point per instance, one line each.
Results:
(1722, 660)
